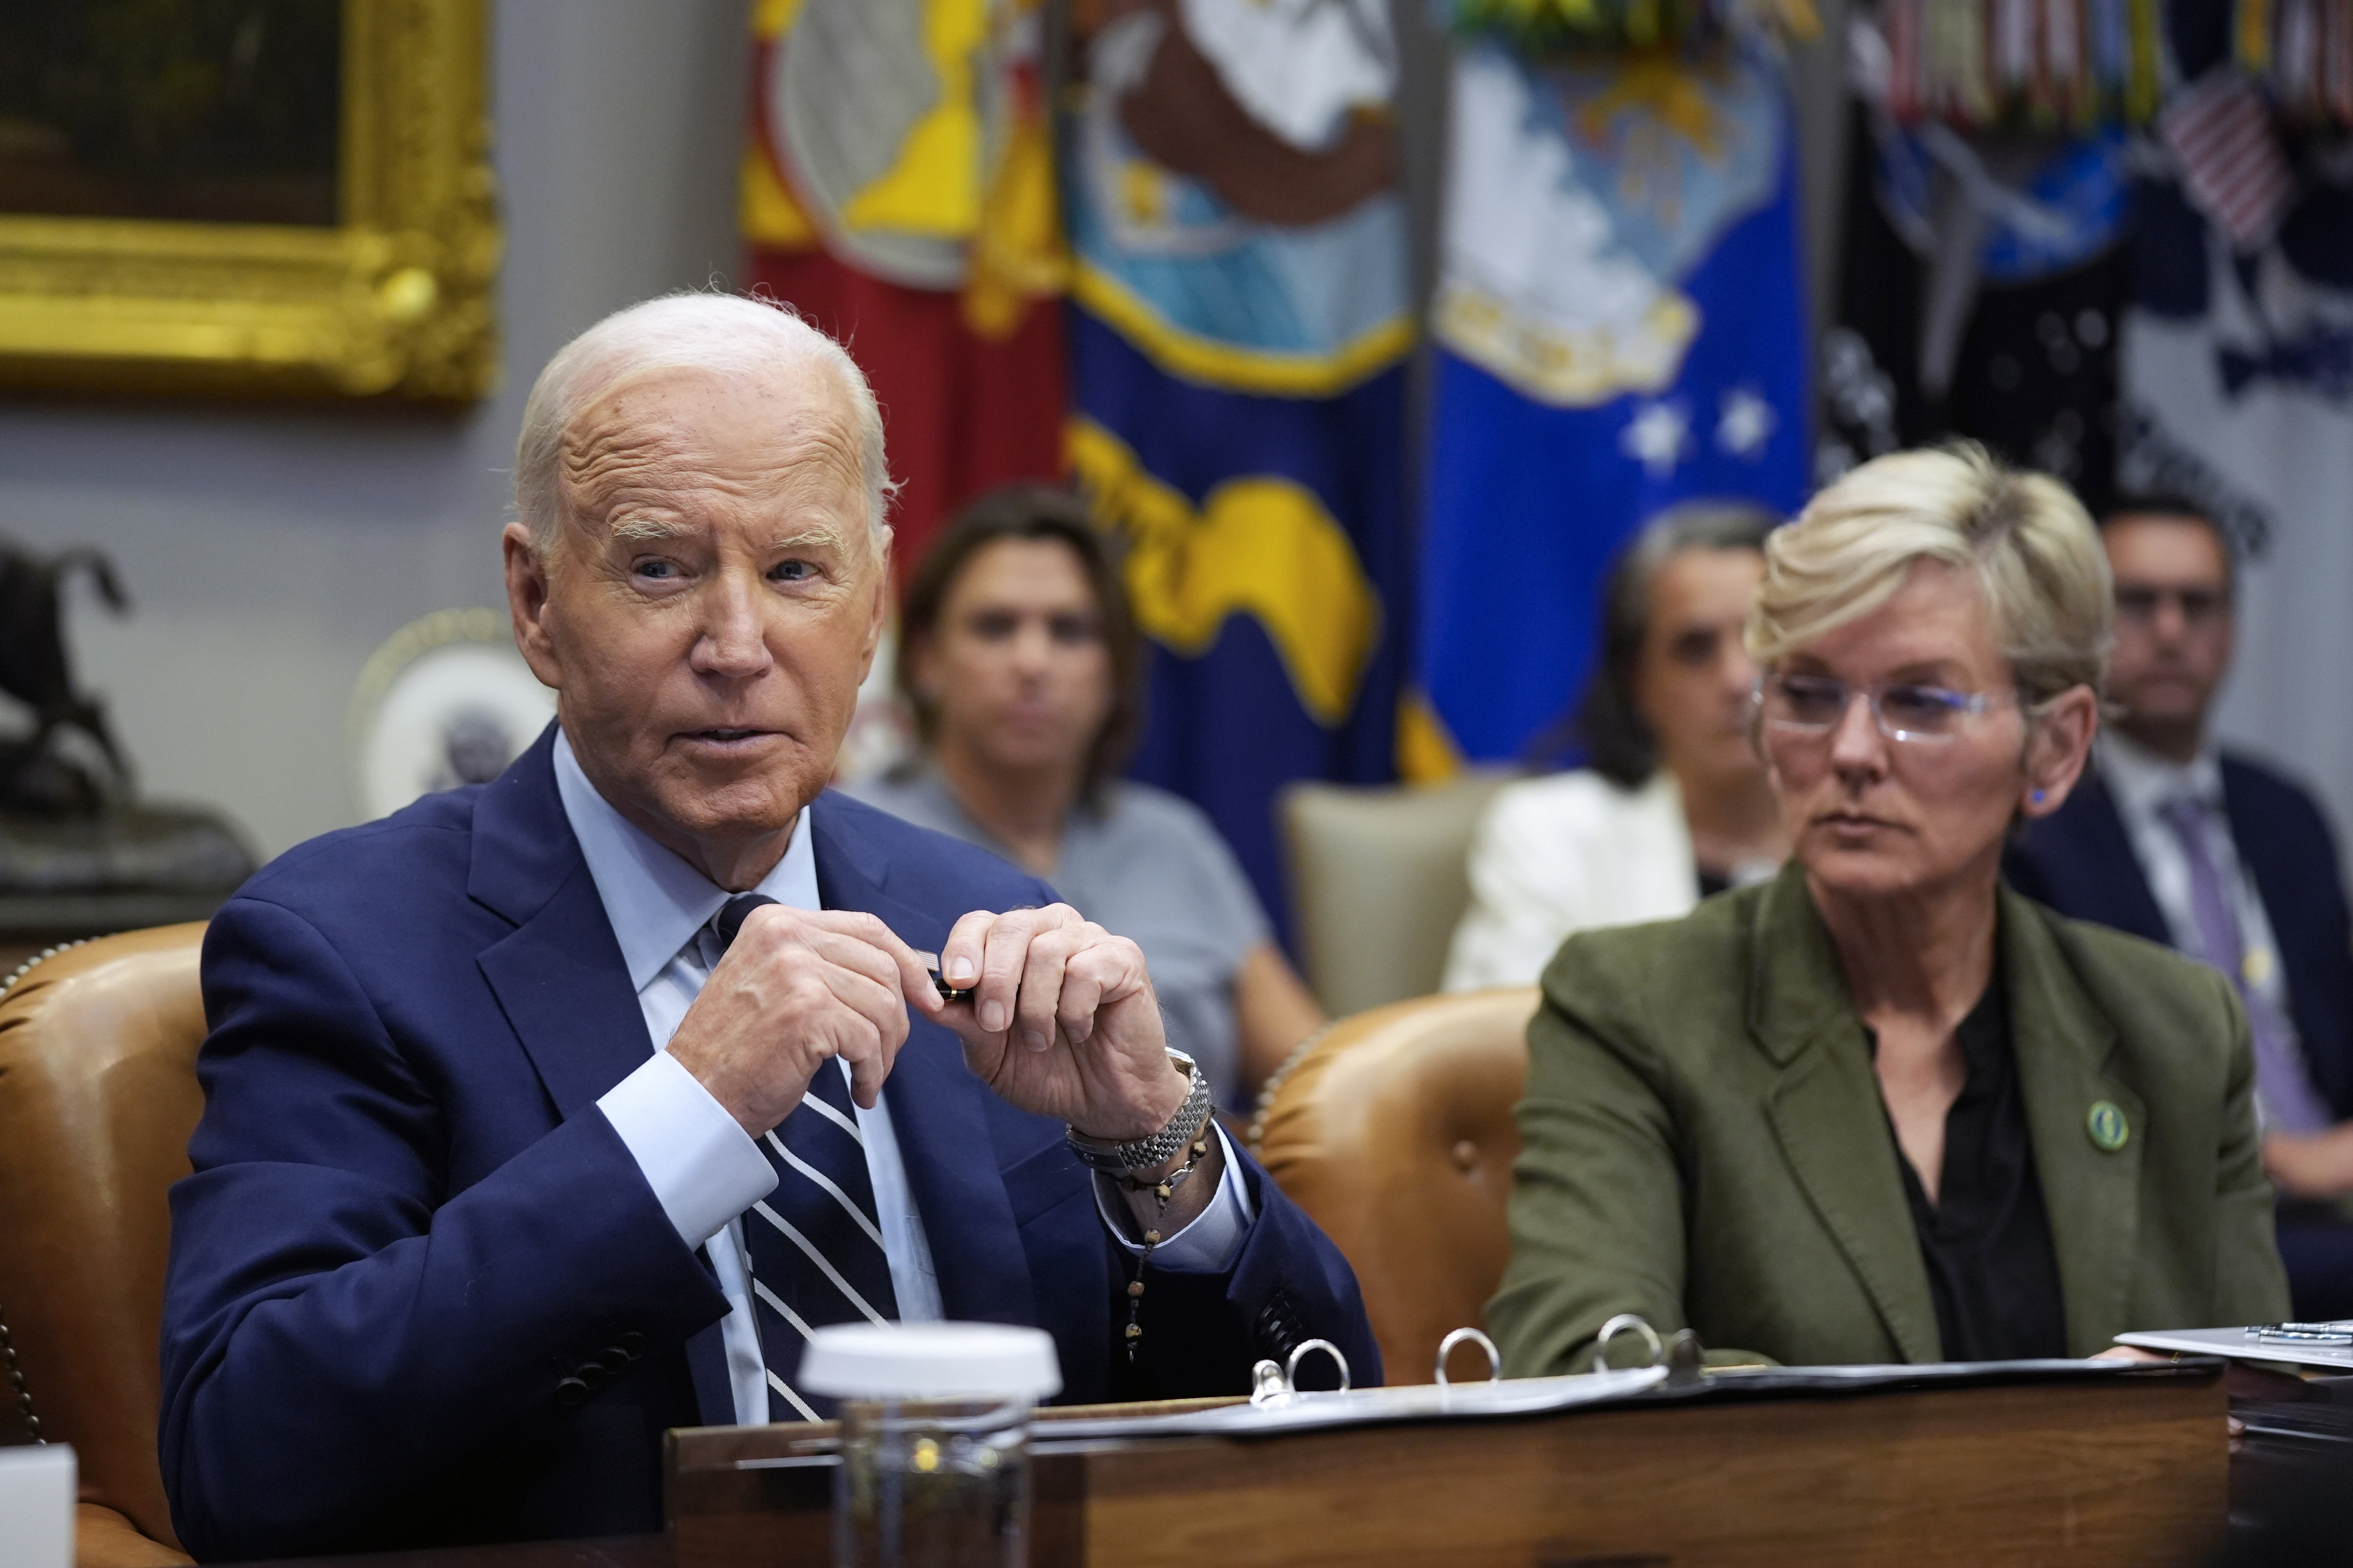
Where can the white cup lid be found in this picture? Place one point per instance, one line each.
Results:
(931, 1361)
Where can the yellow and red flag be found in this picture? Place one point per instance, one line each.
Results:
(898, 188)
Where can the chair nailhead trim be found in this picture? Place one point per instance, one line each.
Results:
(15, 1373)
(17, 1382)
(34, 961)
(1266, 1091)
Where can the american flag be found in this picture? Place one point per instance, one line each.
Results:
(2220, 130)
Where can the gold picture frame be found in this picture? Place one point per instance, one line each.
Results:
(397, 300)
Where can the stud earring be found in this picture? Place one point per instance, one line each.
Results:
(2036, 798)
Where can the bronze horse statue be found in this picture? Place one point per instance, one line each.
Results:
(35, 669)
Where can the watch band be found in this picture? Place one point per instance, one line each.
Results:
(1159, 1147)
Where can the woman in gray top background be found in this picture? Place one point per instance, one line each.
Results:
(1022, 665)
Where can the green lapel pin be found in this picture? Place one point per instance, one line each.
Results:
(2108, 1126)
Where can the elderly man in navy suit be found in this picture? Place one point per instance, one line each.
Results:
(2175, 840)
(546, 1115)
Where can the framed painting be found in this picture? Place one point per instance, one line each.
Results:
(248, 197)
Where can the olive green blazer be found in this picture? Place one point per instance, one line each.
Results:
(1704, 1144)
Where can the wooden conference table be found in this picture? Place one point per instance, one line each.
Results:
(2123, 1469)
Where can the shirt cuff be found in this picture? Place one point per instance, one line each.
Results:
(702, 1168)
(1214, 1238)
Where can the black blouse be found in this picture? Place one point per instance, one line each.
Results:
(1986, 1240)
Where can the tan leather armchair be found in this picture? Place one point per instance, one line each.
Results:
(1394, 1131)
(97, 1096)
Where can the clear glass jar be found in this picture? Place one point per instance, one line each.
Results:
(929, 1483)
(935, 1439)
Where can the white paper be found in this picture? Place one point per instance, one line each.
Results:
(1364, 1407)
(2241, 1345)
(36, 1507)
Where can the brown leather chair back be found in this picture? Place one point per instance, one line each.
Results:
(97, 1097)
(1394, 1132)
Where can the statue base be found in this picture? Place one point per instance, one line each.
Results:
(125, 868)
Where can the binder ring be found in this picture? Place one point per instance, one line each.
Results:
(1290, 1363)
(1470, 1336)
(1616, 1325)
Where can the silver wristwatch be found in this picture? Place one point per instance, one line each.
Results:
(1161, 1146)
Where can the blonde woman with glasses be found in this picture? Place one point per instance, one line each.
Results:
(1882, 1109)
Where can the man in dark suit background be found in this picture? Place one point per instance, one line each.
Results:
(2174, 839)
(530, 1133)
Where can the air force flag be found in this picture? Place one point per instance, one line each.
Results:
(1621, 326)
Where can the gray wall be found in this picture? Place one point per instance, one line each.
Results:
(269, 549)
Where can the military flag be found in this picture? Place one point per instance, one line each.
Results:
(1619, 325)
(897, 186)
(2237, 373)
(1241, 312)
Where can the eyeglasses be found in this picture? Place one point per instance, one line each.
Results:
(1903, 710)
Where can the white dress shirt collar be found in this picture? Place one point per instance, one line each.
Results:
(2144, 782)
(656, 901)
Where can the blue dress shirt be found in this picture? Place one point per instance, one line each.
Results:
(701, 1165)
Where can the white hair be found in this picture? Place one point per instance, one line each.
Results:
(726, 334)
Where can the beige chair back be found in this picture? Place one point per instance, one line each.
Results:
(1377, 884)
(1394, 1132)
(97, 1097)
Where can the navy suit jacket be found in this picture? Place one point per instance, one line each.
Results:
(2080, 861)
(408, 1224)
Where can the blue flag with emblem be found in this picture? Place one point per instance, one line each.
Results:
(1620, 326)
(1242, 310)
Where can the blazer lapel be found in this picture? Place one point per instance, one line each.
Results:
(559, 975)
(2284, 868)
(943, 1125)
(938, 1109)
(2131, 906)
(706, 1364)
(1826, 1111)
(2065, 1049)
(561, 980)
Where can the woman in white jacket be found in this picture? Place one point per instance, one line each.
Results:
(1673, 803)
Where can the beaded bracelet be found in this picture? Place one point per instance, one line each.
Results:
(1162, 1190)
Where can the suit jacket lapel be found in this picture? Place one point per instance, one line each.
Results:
(2132, 906)
(1826, 1111)
(560, 977)
(2280, 871)
(2065, 1049)
(938, 1109)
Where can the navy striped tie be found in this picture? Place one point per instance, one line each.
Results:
(815, 1245)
